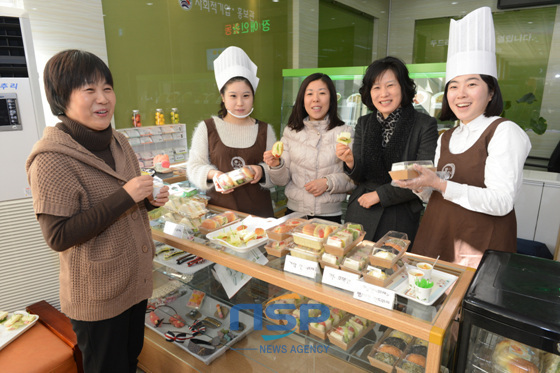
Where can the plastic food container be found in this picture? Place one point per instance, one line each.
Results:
(404, 170)
(314, 233)
(356, 260)
(283, 230)
(344, 239)
(234, 179)
(389, 249)
(380, 276)
(278, 248)
(218, 221)
(305, 252)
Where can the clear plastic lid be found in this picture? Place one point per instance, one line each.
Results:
(399, 166)
(305, 252)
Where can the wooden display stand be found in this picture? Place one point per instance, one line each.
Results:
(433, 332)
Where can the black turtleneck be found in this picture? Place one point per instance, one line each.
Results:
(61, 233)
(97, 142)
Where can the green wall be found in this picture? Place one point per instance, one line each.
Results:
(158, 56)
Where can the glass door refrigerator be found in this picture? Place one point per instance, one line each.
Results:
(511, 316)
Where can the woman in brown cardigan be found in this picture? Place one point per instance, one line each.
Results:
(91, 204)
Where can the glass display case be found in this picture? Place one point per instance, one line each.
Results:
(511, 316)
(429, 79)
(301, 350)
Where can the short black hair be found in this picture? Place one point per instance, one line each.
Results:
(223, 111)
(299, 113)
(494, 108)
(69, 70)
(376, 69)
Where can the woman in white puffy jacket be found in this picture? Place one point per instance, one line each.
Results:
(314, 177)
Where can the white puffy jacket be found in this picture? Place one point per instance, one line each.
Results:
(309, 155)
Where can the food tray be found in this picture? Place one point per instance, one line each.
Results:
(207, 310)
(279, 252)
(183, 267)
(384, 366)
(442, 282)
(285, 299)
(7, 336)
(368, 245)
(347, 346)
(308, 239)
(252, 223)
(398, 248)
(205, 230)
(323, 335)
(305, 252)
(234, 179)
(403, 359)
(396, 271)
(286, 232)
(341, 251)
(326, 264)
(407, 171)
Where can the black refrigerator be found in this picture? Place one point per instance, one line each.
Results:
(511, 316)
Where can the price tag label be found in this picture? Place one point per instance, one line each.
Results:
(173, 229)
(302, 267)
(340, 279)
(374, 294)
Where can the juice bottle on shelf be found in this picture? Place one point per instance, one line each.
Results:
(174, 115)
(160, 119)
(136, 120)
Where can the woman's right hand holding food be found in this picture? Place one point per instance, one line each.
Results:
(139, 187)
(344, 153)
(270, 159)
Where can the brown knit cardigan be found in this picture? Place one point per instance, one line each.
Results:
(111, 272)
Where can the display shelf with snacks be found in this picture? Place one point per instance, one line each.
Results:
(147, 142)
(420, 322)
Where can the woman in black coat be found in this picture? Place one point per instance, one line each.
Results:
(393, 132)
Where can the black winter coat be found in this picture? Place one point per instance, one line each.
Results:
(399, 209)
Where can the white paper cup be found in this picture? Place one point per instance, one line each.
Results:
(414, 274)
(157, 188)
(423, 294)
(426, 268)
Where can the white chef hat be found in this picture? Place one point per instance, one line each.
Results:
(472, 45)
(232, 62)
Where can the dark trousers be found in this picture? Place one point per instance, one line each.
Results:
(112, 345)
(335, 219)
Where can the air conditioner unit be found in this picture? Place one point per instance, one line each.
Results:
(21, 114)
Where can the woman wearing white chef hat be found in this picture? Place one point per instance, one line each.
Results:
(470, 207)
(233, 139)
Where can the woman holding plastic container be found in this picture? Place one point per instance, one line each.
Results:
(233, 139)
(393, 132)
(470, 208)
(315, 182)
(91, 203)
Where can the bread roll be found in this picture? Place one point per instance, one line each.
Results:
(248, 172)
(209, 224)
(417, 359)
(277, 149)
(230, 216)
(520, 365)
(390, 350)
(309, 229)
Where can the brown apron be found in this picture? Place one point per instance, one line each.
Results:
(456, 234)
(249, 198)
